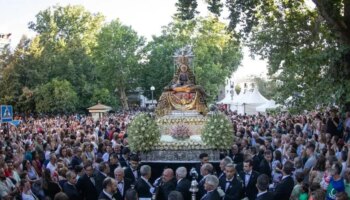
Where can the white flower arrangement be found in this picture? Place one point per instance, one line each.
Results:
(143, 133)
(220, 137)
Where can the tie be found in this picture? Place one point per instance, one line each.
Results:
(228, 183)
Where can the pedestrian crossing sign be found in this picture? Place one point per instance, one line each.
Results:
(6, 113)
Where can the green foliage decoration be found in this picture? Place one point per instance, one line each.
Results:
(218, 132)
(143, 133)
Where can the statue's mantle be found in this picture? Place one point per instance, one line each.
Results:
(179, 156)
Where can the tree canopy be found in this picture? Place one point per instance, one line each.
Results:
(217, 54)
(90, 60)
(306, 44)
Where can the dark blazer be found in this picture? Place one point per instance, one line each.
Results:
(87, 188)
(284, 188)
(103, 196)
(165, 189)
(256, 162)
(198, 170)
(233, 191)
(184, 186)
(142, 189)
(75, 161)
(250, 191)
(127, 185)
(201, 191)
(238, 158)
(264, 168)
(111, 170)
(266, 196)
(99, 178)
(71, 191)
(52, 189)
(214, 195)
(129, 175)
(123, 162)
(222, 174)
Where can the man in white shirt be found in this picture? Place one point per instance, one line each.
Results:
(52, 166)
(105, 156)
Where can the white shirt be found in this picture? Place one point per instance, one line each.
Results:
(105, 157)
(51, 167)
(28, 196)
(228, 183)
(247, 177)
(120, 186)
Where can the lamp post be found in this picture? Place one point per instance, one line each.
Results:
(152, 89)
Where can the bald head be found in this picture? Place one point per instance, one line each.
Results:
(168, 174)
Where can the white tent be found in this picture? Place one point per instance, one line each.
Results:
(237, 102)
(248, 102)
(226, 100)
(269, 105)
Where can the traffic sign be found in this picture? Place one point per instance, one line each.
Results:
(6, 113)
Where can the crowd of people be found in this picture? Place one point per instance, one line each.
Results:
(272, 157)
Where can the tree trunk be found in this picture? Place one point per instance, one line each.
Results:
(123, 99)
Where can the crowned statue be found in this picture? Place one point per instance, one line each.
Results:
(182, 93)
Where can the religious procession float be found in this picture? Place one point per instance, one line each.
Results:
(183, 126)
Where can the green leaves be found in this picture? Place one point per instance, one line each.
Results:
(186, 9)
(56, 96)
(217, 55)
(117, 57)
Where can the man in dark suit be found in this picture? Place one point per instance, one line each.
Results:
(123, 184)
(262, 184)
(225, 161)
(131, 172)
(265, 164)
(256, 158)
(86, 184)
(101, 175)
(210, 185)
(285, 187)
(124, 158)
(69, 187)
(167, 184)
(113, 164)
(249, 177)
(236, 156)
(142, 185)
(183, 184)
(76, 160)
(204, 158)
(230, 184)
(109, 188)
(206, 170)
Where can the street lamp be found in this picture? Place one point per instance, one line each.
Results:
(152, 89)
